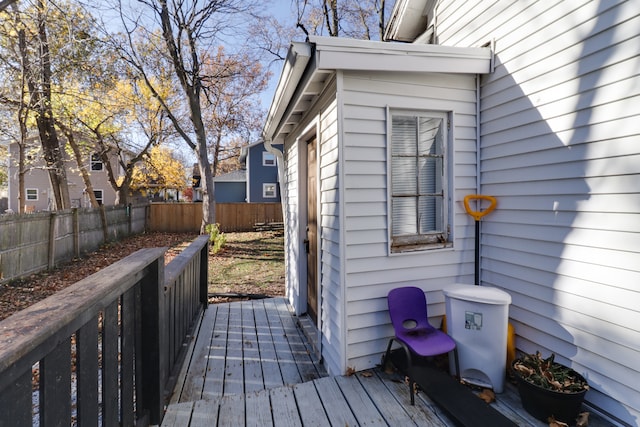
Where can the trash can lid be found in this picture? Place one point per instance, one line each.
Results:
(483, 294)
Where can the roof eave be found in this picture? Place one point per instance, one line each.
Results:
(346, 54)
(295, 64)
(322, 55)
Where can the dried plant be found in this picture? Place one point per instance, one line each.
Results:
(548, 374)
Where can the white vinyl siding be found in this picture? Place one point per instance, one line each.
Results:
(370, 271)
(560, 125)
(321, 121)
(329, 236)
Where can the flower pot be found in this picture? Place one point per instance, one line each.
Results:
(543, 403)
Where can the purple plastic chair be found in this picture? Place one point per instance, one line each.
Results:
(408, 311)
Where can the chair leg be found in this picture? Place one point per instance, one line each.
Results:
(386, 360)
(387, 355)
(457, 363)
(412, 386)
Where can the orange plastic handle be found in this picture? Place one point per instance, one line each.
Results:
(479, 214)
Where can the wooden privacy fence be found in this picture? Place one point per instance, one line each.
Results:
(106, 347)
(30, 243)
(187, 217)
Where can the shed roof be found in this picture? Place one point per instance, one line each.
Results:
(309, 66)
(239, 175)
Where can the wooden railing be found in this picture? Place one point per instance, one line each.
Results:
(103, 350)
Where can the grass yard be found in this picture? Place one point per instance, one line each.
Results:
(249, 263)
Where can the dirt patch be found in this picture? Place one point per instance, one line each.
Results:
(241, 267)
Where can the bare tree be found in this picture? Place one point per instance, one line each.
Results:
(187, 30)
(359, 19)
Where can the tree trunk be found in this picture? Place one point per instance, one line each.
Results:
(23, 113)
(82, 166)
(44, 118)
(206, 185)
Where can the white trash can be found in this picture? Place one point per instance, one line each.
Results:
(478, 319)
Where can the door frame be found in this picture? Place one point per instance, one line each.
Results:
(310, 132)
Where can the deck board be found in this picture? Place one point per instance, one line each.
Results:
(339, 413)
(270, 367)
(258, 409)
(232, 413)
(194, 377)
(214, 380)
(284, 407)
(364, 409)
(251, 365)
(314, 412)
(234, 366)
(253, 378)
(205, 413)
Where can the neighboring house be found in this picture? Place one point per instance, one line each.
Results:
(262, 174)
(534, 102)
(38, 188)
(256, 183)
(231, 187)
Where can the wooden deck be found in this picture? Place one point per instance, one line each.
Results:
(251, 365)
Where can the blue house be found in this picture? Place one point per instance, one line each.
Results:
(262, 184)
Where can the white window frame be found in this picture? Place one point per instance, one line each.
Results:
(99, 199)
(267, 193)
(33, 190)
(93, 162)
(439, 236)
(268, 159)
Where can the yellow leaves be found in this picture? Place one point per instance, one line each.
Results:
(555, 423)
(582, 420)
(159, 170)
(487, 395)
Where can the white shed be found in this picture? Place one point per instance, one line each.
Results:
(379, 151)
(382, 141)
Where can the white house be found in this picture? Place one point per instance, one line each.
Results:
(533, 102)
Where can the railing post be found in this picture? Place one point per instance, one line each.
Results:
(204, 276)
(154, 361)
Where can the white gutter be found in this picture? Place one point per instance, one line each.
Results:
(294, 66)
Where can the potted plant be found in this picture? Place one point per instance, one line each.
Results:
(549, 389)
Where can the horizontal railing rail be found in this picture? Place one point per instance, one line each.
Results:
(101, 352)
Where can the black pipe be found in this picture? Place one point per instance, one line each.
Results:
(477, 255)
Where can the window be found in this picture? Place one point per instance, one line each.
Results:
(268, 159)
(96, 162)
(269, 191)
(418, 181)
(99, 196)
(32, 194)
